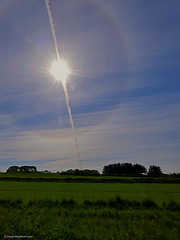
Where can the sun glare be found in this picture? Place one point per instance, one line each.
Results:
(60, 70)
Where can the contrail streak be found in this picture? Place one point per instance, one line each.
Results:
(52, 26)
(65, 84)
(71, 119)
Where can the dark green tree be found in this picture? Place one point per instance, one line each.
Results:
(139, 169)
(154, 171)
(124, 169)
(85, 172)
(13, 169)
(28, 169)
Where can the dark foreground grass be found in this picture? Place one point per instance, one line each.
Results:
(114, 219)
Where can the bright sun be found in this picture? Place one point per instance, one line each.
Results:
(60, 70)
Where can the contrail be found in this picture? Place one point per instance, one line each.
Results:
(52, 26)
(71, 119)
(64, 85)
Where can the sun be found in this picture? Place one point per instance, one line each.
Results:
(60, 70)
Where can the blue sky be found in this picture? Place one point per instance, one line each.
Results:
(124, 89)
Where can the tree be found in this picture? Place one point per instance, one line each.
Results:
(28, 169)
(13, 169)
(85, 172)
(123, 169)
(139, 169)
(154, 171)
(22, 169)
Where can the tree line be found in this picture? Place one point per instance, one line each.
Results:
(130, 169)
(85, 172)
(118, 169)
(22, 169)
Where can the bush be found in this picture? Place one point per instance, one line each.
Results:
(149, 204)
(172, 206)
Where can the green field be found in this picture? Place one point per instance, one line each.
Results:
(88, 210)
(93, 191)
(56, 177)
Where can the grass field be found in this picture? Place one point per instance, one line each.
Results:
(56, 177)
(89, 211)
(93, 191)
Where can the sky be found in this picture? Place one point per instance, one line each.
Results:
(124, 89)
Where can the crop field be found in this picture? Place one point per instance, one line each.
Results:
(27, 191)
(94, 211)
(56, 177)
